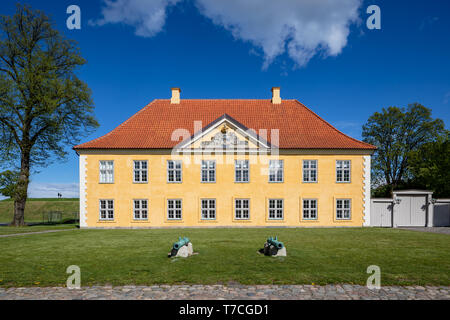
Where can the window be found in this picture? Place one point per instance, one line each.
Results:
(173, 171)
(309, 170)
(174, 209)
(106, 171)
(241, 171)
(276, 171)
(208, 209)
(343, 170)
(343, 209)
(310, 209)
(276, 209)
(242, 209)
(208, 171)
(106, 209)
(140, 172)
(140, 209)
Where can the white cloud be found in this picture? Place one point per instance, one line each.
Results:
(427, 22)
(302, 28)
(51, 190)
(447, 98)
(147, 16)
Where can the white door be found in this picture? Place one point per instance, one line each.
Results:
(386, 216)
(411, 211)
(418, 211)
(381, 214)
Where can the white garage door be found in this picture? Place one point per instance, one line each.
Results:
(412, 211)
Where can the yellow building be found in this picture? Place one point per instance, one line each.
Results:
(217, 163)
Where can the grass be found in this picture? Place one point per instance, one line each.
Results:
(4, 230)
(315, 255)
(36, 207)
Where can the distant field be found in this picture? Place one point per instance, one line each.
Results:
(36, 207)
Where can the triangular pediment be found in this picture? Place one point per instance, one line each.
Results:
(224, 134)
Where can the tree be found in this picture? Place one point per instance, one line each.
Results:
(43, 104)
(430, 167)
(397, 132)
(8, 182)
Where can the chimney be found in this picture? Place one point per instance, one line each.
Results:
(175, 96)
(276, 99)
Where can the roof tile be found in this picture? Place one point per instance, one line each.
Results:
(152, 126)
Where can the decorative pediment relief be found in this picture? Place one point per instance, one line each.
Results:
(224, 139)
(224, 134)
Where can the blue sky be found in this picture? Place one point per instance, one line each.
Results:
(215, 50)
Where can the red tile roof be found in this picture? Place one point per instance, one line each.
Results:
(152, 126)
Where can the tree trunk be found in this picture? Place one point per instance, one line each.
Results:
(21, 192)
(19, 213)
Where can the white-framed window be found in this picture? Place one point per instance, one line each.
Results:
(310, 209)
(208, 209)
(174, 209)
(309, 170)
(241, 171)
(276, 209)
(140, 209)
(174, 171)
(276, 171)
(343, 170)
(343, 209)
(140, 171)
(106, 209)
(208, 173)
(242, 209)
(106, 169)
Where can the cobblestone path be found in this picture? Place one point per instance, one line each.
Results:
(220, 292)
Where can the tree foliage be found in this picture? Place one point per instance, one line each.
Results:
(397, 132)
(43, 104)
(430, 167)
(8, 182)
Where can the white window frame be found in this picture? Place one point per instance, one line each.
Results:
(274, 211)
(140, 171)
(343, 209)
(174, 209)
(342, 171)
(210, 213)
(107, 209)
(307, 171)
(309, 209)
(241, 209)
(208, 171)
(106, 171)
(241, 170)
(140, 210)
(274, 169)
(174, 170)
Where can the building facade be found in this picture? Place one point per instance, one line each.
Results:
(217, 163)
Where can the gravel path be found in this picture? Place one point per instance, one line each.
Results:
(444, 230)
(37, 232)
(220, 292)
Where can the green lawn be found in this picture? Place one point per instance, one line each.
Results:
(12, 230)
(36, 207)
(320, 256)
